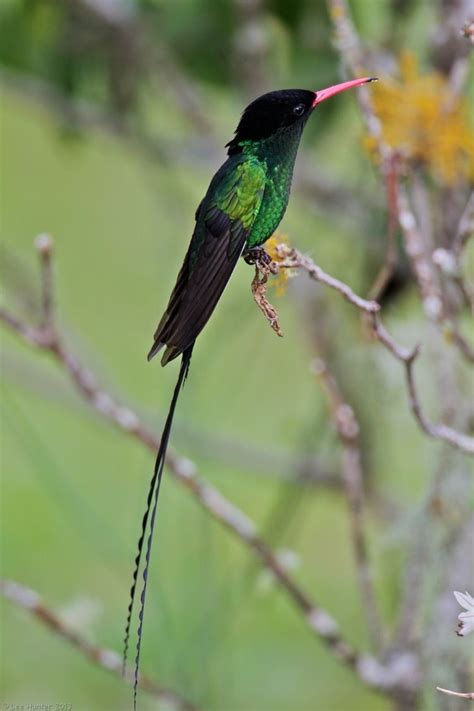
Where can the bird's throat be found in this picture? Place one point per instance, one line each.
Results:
(277, 153)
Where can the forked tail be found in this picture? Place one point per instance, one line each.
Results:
(151, 506)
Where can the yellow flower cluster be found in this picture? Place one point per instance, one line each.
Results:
(280, 281)
(425, 121)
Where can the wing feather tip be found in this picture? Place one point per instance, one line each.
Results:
(156, 348)
(170, 353)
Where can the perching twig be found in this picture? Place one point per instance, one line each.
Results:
(107, 659)
(291, 258)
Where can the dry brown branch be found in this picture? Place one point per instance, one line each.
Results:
(348, 431)
(107, 659)
(390, 679)
(263, 269)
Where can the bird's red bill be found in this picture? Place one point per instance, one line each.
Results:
(324, 94)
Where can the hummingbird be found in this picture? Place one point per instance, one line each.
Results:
(243, 206)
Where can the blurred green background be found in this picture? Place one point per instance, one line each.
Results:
(101, 150)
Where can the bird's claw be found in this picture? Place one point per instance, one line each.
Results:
(257, 255)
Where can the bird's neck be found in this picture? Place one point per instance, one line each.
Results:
(278, 149)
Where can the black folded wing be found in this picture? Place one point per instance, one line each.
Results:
(224, 220)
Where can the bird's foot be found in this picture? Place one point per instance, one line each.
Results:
(257, 255)
(262, 261)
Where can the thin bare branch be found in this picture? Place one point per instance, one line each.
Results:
(102, 657)
(291, 258)
(407, 357)
(467, 695)
(348, 430)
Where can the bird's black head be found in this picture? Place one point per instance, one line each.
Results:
(271, 112)
(276, 111)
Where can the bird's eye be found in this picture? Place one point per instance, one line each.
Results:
(299, 109)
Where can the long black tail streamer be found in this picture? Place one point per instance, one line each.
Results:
(153, 495)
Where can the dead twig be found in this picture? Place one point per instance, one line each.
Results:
(263, 269)
(107, 659)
